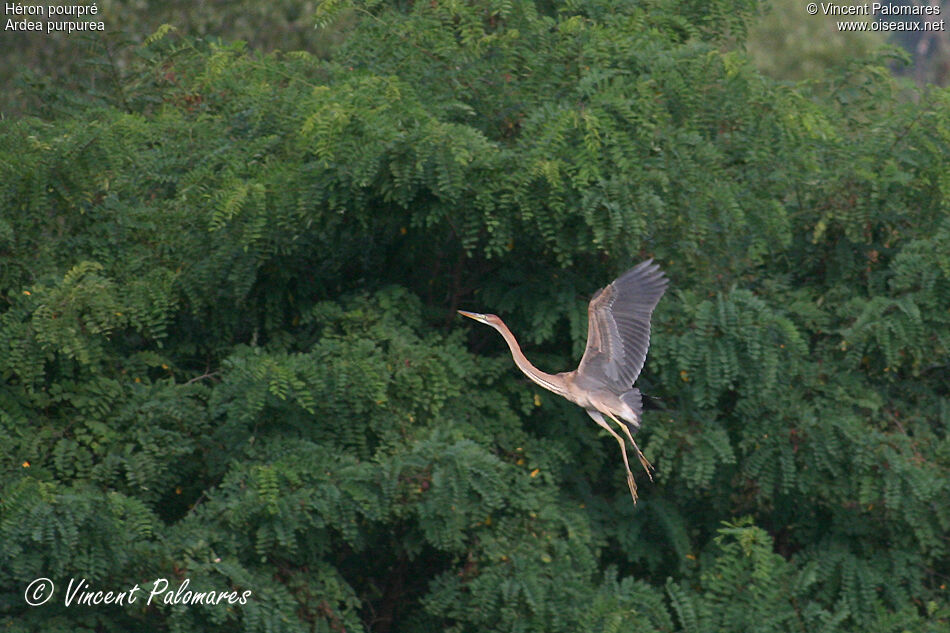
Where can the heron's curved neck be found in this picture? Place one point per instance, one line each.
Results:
(548, 381)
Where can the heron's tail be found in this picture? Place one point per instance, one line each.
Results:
(634, 401)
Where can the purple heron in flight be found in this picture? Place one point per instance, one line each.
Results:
(618, 336)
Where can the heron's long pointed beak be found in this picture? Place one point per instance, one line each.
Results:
(471, 315)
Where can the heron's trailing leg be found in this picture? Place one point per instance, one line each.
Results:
(647, 466)
(599, 419)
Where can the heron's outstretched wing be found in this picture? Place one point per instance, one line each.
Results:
(618, 329)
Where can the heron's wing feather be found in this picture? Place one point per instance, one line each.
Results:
(618, 329)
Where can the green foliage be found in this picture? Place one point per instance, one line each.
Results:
(788, 44)
(228, 352)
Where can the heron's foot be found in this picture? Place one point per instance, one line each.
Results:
(647, 466)
(633, 486)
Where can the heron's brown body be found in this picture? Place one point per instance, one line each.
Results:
(618, 336)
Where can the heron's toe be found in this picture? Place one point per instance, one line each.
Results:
(632, 484)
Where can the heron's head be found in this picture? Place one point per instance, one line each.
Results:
(487, 319)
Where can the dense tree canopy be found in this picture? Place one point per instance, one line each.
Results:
(229, 353)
